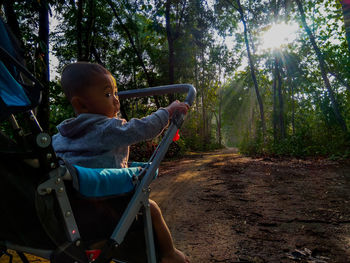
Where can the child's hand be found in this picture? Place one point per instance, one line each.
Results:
(177, 106)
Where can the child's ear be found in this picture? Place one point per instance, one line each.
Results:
(79, 105)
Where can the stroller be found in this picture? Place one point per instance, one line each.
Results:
(41, 196)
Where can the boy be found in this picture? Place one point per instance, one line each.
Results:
(96, 138)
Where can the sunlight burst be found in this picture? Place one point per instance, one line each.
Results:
(278, 35)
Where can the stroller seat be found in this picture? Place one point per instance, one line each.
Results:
(101, 182)
(52, 209)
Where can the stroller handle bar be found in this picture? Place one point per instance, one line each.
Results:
(160, 90)
(141, 195)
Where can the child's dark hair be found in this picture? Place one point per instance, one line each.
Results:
(76, 77)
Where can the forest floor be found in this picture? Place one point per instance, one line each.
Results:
(224, 207)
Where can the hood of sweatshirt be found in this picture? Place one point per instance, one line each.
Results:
(80, 125)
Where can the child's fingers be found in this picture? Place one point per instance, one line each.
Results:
(184, 107)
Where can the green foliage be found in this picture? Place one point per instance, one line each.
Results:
(309, 140)
(134, 48)
(311, 125)
(251, 147)
(60, 108)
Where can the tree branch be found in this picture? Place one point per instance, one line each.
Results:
(139, 57)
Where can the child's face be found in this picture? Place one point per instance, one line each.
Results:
(102, 97)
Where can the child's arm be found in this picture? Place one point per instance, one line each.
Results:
(119, 133)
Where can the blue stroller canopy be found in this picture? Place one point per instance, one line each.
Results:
(15, 96)
(10, 91)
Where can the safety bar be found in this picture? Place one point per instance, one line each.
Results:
(161, 90)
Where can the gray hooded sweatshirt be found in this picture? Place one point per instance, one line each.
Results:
(96, 141)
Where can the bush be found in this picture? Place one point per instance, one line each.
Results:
(252, 146)
(307, 141)
(141, 152)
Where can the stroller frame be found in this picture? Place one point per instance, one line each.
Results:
(139, 201)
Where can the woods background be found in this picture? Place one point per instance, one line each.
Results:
(289, 100)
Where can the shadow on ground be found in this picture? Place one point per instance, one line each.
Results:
(223, 207)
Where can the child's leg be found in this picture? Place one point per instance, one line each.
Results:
(169, 253)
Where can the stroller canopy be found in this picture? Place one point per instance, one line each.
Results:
(15, 95)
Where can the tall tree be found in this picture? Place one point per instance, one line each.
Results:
(42, 61)
(132, 42)
(346, 16)
(80, 30)
(11, 18)
(278, 115)
(170, 39)
(252, 68)
(135, 49)
(172, 35)
(292, 92)
(280, 99)
(323, 67)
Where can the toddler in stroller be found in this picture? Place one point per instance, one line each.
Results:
(96, 138)
(45, 202)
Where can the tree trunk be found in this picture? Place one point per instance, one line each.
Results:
(197, 87)
(89, 29)
(274, 113)
(278, 118)
(220, 95)
(96, 55)
(282, 133)
(42, 60)
(203, 98)
(322, 64)
(204, 116)
(80, 30)
(196, 81)
(345, 4)
(291, 85)
(170, 39)
(287, 8)
(252, 70)
(293, 107)
(219, 118)
(340, 79)
(12, 22)
(252, 133)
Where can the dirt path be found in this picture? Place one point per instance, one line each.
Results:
(222, 207)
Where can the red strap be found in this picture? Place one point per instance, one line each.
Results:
(177, 136)
(92, 255)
